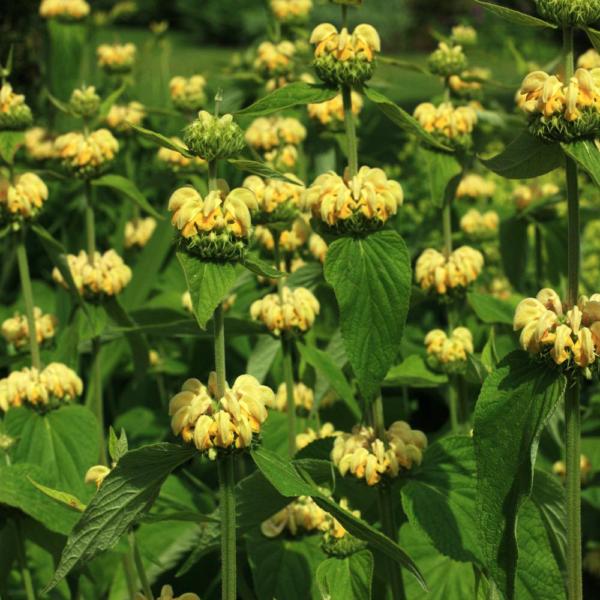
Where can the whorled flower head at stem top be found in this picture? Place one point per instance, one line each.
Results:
(66, 10)
(291, 11)
(475, 186)
(86, 156)
(310, 435)
(567, 336)
(120, 117)
(447, 60)
(15, 330)
(449, 353)
(569, 12)
(177, 161)
(39, 144)
(267, 133)
(211, 137)
(450, 125)
(304, 397)
(344, 58)
(290, 240)
(561, 111)
(215, 422)
(116, 58)
(187, 93)
(331, 112)
(589, 59)
(356, 205)
(273, 60)
(14, 112)
(23, 198)
(277, 200)
(216, 227)
(139, 231)
(84, 102)
(480, 225)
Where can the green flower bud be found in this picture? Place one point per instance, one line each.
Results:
(211, 137)
(85, 102)
(341, 547)
(14, 113)
(447, 60)
(351, 72)
(569, 12)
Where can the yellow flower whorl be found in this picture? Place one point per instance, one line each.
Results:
(291, 11)
(39, 145)
(177, 161)
(14, 113)
(331, 112)
(267, 133)
(116, 58)
(273, 60)
(187, 93)
(477, 224)
(72, 10)
(24, 198)
(277, 200)
(121, 115)
(310, 435)
(475, 186)
(85, 156)
(446, 122)
(449, 352)
(15, 330)
(304, 397)
(139, 231)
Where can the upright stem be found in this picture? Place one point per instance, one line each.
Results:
(139, 565)
(287, 345)
(90, 224)
(228, 535)
(447, 227)
(212, 176)
(389, 527)
(453, 404)
(350, 130)
(219, 324)
(129, 571)
(22, 558)
(97, 398)
(539, 258)
(28, 297)
(573, 243)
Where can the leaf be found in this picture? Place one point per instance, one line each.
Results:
(288, 96)
(439, 498)
(402, 119)
(60, 105)
(62, 497)
(514, 16)
(402, 64)
(108, 102)
(117, 446)
(326, 366)
(594, 36)
(514, 405)
(208, 282)
(161, 140)
(443, 172)
(586, 154)
(262, 357)
(308, 276)
(127, 492)
(256, 265)
(413, 372)
(284, 477)
(526, 157)
(490, 309)
(9, 144)
(514, 248)
(346, 578)
(371, 278)
(259, 168)
(127, 188)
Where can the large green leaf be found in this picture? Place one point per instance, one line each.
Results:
(439, 498)
(514, 248)
(514, 405)
(63, 442)
(402, 119)
(127, 188)
(161, 140)
(371, 278)
(290, 95)
(525, 157)
(9, 144)
(443, 173)
(490, 309)
(326, 366)
(413, 372)
(208, 282)
(128, 491)
(587, 155)
(346, 578)
(514, 16)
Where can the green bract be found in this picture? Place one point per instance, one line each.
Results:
(570, 12)
(211, 137)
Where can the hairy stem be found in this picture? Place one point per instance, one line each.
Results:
(287, 347)
(228, 533)
(350, 124)
(212, 176)
(389, 527)
(139, 566)
(97, 397)
(90, 223)
(219, 325)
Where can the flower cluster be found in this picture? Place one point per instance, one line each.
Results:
(71, 10)
(477, 224)
(585, 468)
(211, 137)
(277, 138)
(273, 60)
(291, 11)
(187, 93)
(24, 198)
(366, 457)
(116, 58)
(449, 352)
(559, 111)
(16, 329)
(317, 247)
(475, 186)
(436, 272)
(139, 231)
(85, 156)
(331, 112)
(570, 12)
(14, 113)
(566, 336)
(291, 310)
(342, 57)
(302, 515)
(84, 102)
(167, 593)
(213, 227)
(447, 123)
(120, 116)
(525, 195)
(447, 60)
(176, 160)
(468, 84)
(464, 34)
(277, 199)
(362, 203)
(310, 435)
(106, 275)
(39, 145)
(52, 385)
(198, 414)
(304, 398)
(589, 60)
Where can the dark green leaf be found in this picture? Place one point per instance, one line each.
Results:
(594, 36)
(413, 372)
(62, 497)
(514, 248)
(259, 168)
(443, 171)
(9, 144)
(127, 188)
(371, 278)
(262, 357)
(256, 265)
(62, 106)
(346, 578)
(161, 140)
(514, 16)
(288, 96)
(108, 102)
(587, 155)
(308, 276)
(514, 405)
(491, 309)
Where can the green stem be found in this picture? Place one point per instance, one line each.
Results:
(573, 243)
(139, 566)
(129, 570)
(447, 228)
(287, 347)
(219, 324)
(377, 417)
(28, 298)
(539, 258)
(22, 559)
(212, 176)
(453, 404)
(389, 527)
(225, 466)
(350, 130)
(568, 53)
(90, 224)
(97, 398)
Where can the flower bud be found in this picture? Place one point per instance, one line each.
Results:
(14, 113)
(84, 102)
(464, 34)
(569, 12)
(187, 93)
(23, 199)
(116, 58)
(96, 474)
(86, 156)
(64, 10)
(211, 137)
(447, 60)
(16, 329)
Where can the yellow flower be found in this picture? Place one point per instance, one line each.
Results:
(445, 120)
(106, 275)
(291, 310)
(304, 397)
(589, 59)
(167, 593)
(317, 246)
(302, 515)
(270, 194)
(176, 160)
(310, 435)
(290, 10)
(361, 44)
(187, 93)
(332, 111)
(475, 186)
(475, 223)
(585, 466)
(433, 271)
(121, 116)
(16, 329)
(86, 155)
(266, 133)
(454, 348)
(72, 9)
(464, 34)
(14, 113)
(97, 474)
(116, 58)
(25, 197)
(272, 59)
(139, 231)
(38, 144)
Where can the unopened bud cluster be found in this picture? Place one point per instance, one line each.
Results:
(86, 156)
(15, 330)
(277, 199)
(480, 225)
(475, 186)
(464, 34)
(360, 204)
(447, 123)
(344, 58)
(331, 112)
(14, 113)
(139, 231)
(177, 161)
(213, 227)
(107, 275)
(187, 93)
(559, 111)
(291, 310)
(23, 199)
(121, 116)
(570, 12)
(52, 385)
(367, 457)
(449, 352)
(212, 422)
(291, 11)
(447, 60)
(66, 10)
(440, 274)
(274, 60)
(211, 137)
(567, 336)
(116, 58)
(84, 102)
